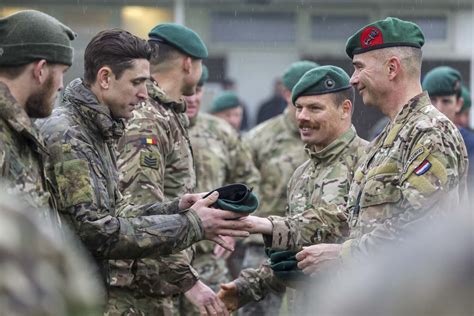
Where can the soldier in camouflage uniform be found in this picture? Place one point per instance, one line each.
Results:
(323, 112)
(33, 241)
(161, 170)
(220, 159)
(41, 273)
(415, 169)
(277, 151)
(81, 135)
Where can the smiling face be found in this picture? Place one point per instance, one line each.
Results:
(319, 119)
(232, 116)
(124, 93)
(193, 103)
(369, 78)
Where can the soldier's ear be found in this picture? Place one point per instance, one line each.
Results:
(40, 71)
(187, 64)
(346, 108)
(104, 76)
(393, 67)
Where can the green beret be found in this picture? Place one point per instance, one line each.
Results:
(321, 80)
(31, 35)
(442, 81)
(285, 267)
(296, 71)
(180, 37)
(204, 76)
(226, 100)
(236, 197)
(467, 99)
(390, 32)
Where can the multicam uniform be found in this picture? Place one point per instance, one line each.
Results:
(416, 167)
(22, 153)
(220, 159)
(156, 163)
(321, 181)
(277, 151)
(81, 135)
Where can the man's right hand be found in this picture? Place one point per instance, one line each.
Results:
(217, 222)
(229, 296)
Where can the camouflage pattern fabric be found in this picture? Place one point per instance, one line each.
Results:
(159, 169)
(22, 153)
(41, 273)
(277, 151)
(81, 136)
(416, 167)
(220, 158)
(320, 182)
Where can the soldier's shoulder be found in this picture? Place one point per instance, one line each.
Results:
(267, 130)
(216, 124)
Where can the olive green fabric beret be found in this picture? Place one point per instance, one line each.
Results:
(390, 32)
(237, 198)
(226, 100)
(296, 71)
(31, 35)
(180, 37)
(442, 81)
(467, 98)
(321, 80)
(204, 76)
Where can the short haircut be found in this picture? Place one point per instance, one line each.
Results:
(116, 49)
(410, 58)
(341, 96)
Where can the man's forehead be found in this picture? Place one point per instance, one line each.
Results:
(312, 99)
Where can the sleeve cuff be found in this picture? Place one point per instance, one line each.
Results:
(195, 223)
(280, 238)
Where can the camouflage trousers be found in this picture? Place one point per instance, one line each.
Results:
(124, 303)
(270, 305)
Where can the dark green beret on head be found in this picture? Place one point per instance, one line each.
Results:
(237, 198)
(442, 81)
(296, 71)
(30, 35)
(180, 37)
(321, 80)
(391, 32)
(226, 100)
(204, 76)
(467, 98)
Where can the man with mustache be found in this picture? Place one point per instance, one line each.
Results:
(81, 135)
(323, 99)
(415, 169)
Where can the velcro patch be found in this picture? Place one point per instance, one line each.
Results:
(148, 141)
(150, 160)
(423, 167)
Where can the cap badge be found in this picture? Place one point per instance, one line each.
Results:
(371, 36)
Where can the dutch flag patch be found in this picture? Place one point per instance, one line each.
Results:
(423, 167)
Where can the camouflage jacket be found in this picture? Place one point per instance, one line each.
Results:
(41, 273)
(221, 158)
(22, 154)
(156, 163)
(81, 136)
(277, 150)
(416, 167)
(321, 181)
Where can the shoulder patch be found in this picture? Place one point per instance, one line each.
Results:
(148, 140)
(423, 167)
(412, 158)
(150, 160)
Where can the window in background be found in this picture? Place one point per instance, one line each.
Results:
(140, 20)
(261, 27)
(335, 27)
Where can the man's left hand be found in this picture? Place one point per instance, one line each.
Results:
(314, 258)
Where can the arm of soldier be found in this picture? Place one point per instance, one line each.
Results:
(141, 160)
(431, 182)
(252, 285)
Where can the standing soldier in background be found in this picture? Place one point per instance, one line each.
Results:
(35, 52)
(228, 107)
(81, 135)
(220, 159)
(277, 150)
(156, 164)
(443, 84)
